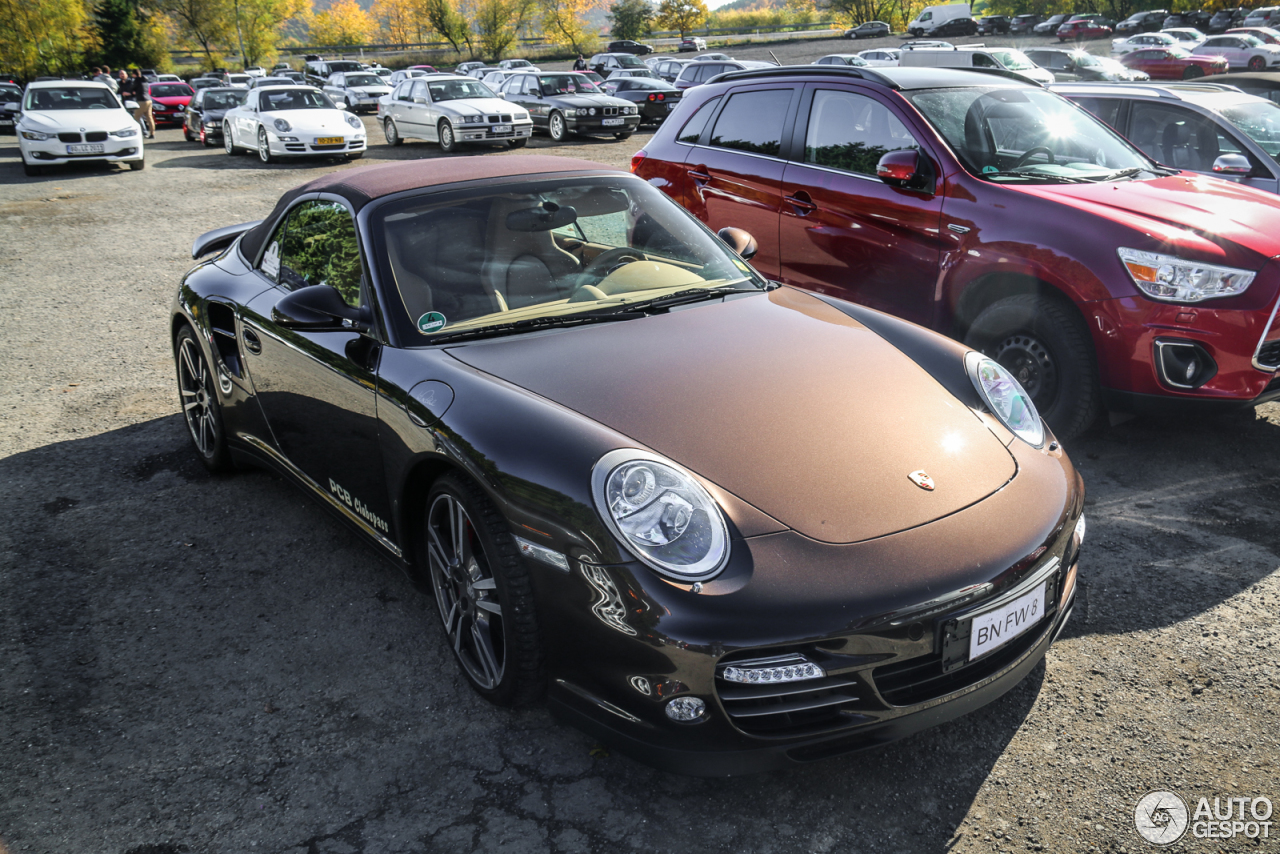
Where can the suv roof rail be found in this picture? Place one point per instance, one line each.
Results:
(807, 70)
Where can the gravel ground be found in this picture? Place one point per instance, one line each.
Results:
(200, 664)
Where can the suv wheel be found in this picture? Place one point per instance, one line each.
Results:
(1045, 344)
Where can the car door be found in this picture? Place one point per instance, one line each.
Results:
(842, 230)
(415, 110)
(735, 169)
(317, 386)
(246, 120)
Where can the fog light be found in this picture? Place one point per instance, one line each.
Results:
(781, 668)
(686, 710)
(1184, 364)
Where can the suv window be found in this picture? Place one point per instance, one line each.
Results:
(692, 130)
(752, 121)
(852, 132)
(316, 245)
(1178, 137)
(1107, 109)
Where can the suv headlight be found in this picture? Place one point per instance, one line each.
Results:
(35, 134)
(1005, 398)
(1172, 279)
(661, 514)
(282, 126)
(354, 122)
(125, 133)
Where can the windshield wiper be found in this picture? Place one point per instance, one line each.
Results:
(1036, 176)
(533, 324)
(681, 297)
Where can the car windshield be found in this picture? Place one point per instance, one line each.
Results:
(566, 84)
(238, 78)
(1260, 120)
(1178, 53)
(454, 90)
(295, 99)
(1014, 60)
(223, 100)
(71, 98)
(1027, 135)
(364, 80)
(1110, 66)
(335, 67)
(627, 60)
(543, 252)
(647, 83)
(1087, 60)
(518, 63)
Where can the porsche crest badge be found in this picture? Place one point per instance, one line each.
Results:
(922, 480)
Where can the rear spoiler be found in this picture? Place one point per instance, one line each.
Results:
(219, 238)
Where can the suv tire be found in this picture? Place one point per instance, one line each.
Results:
(1044, 342)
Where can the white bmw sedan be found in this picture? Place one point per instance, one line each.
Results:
(64, 121)
(290, 121)
(451, 110)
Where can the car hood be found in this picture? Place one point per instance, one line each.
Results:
(780, 399)
(107, 120)
(319, 119)
(486, 106)
(1219, 221)
(173, 100)
(589, 101)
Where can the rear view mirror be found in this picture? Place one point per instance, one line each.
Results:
(1232, 164)
(739, 241)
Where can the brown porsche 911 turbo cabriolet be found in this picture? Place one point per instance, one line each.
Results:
(723, 525)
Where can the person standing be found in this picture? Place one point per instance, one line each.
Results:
(108, 78)
(581, 64)
(123, 86)
(143, 97)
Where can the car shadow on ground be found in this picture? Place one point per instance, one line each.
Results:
(236, 645)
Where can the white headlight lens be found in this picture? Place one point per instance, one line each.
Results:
(35, 134)
(353, 121)
(125, 132)
(1166, 277)
(1005, 398)
(282, 125)
(662, 514)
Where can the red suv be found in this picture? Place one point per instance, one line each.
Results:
(980, 205)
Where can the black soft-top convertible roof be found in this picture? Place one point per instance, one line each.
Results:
(367, 183)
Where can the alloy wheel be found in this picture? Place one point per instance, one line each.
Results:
(195, 384)
(465, 591)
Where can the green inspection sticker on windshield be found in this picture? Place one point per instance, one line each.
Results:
(432, 321)
(986, 169)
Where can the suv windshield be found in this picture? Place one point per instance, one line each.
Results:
(566, 84)
(455, 90)
(1260, 120)
(1014, 60)
(71, 98)
(548, 253)
(363, 80)
(1021, 135)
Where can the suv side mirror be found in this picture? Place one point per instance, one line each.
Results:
(906, 168)
(317, 307)
(1232, 164)
(13, 107)
(739, 241)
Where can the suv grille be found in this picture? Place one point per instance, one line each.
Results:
(1269, 354)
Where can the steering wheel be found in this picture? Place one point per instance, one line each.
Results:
(606, 262)
(1026, 155)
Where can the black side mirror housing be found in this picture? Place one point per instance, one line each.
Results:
(739, 241)
(318, 307)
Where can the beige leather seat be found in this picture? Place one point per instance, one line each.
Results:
(525, 267)
(438, 261)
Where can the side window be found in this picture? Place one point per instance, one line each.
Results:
(419, 90)
(1178, 137)
(752, 121)
(1106, 109)
(692, 130)
(852, 132)
(981, 60)
(826, 60)
(319, 248)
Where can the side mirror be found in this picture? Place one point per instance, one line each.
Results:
(906, 168)
(317, 307)
(1232, 164)
(13, 107)
(419, 100)
(502, 95)
(739, 241)
(341, 105)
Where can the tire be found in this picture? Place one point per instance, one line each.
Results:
(1257, 63)
(483, 592)
(444, 133)
(264, 147)
(228, 141)
(198, 396)
(31, 170)
(518, 143)
(557, 128)
(1044, 342)
(1192, 72)
(138, 165)
(392, 134)
(620, 136)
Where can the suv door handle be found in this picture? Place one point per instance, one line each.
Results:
(801, 202)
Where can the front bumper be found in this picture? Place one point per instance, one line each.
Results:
(53, 152)
(603, 124)
(299, 144)
(493, 132)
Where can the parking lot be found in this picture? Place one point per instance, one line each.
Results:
(200, 664)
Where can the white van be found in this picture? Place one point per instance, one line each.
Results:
(979, 57)
(933, 20)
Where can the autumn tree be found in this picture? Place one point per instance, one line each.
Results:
(631, 19)
(204, 24)
(44, 36)
(401, 21)
(259, 24)
(343, 24)
(565, 22)
(681, 15)
(445, 19)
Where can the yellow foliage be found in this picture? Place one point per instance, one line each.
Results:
(680, 15)
(401, 21)
(43, 36)
(565, 22)
(344, 23)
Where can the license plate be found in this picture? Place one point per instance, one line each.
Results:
(329, 140)
(993, 629)
(6, 121)
(86, 149)
(612, 122)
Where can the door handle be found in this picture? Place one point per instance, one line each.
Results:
(700, 175)
(251, 342)
(802, 203)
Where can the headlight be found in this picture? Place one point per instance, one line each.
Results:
(590, 112)
(124, 133)
(1166, 277)
(661, 514)
(522, 117)
(354, 122)
(1005, 398)
(282, 125)
(35, 134)
(471, 120)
